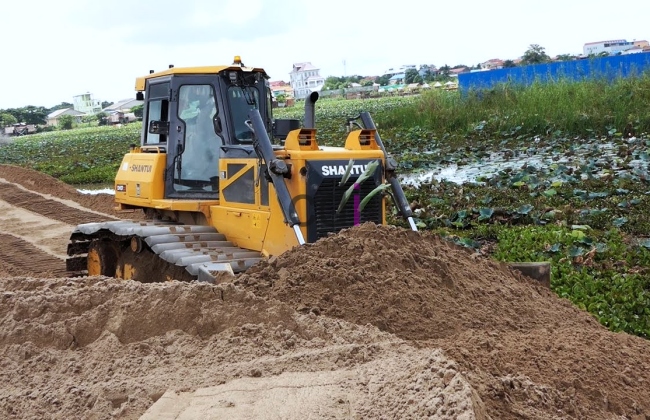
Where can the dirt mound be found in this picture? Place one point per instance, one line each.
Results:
(44, 184)
(526, 348)
(106, 348)
(408, 326)
(38, 181)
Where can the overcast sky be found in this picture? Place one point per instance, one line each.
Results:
(54, 50)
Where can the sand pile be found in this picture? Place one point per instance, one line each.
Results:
(527, 352)
(99, 348)
(376, 322)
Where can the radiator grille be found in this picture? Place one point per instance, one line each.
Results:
(327, 199)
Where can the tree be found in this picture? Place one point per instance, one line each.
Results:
(509, 64)
(334, 83)
(535, 54)
(410, 75)
(138, 111)
(383, 80)
(427, 73)
(29, 114)
(106, 104)
(7, 119)
(62, 105)
(66, 121)
(565, 57)
(444, 71)
(102, 118)
(87, 119)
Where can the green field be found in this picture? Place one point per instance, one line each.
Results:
(547, 173)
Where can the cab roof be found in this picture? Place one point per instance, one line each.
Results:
(140, 81)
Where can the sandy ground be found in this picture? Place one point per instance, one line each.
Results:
(376, 322)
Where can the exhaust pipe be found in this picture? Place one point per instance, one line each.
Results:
(310, 110)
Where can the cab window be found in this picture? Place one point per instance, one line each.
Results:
(242, 101)
(157, 110)
(199, 168)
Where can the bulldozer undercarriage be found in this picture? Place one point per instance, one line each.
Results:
(152, 251)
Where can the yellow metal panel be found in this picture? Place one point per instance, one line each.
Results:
(361, 140)
(301, 139)
(140, 177)
(280, 237)
(225, 181)
(140, 182)
(140, 81)
(244, 227)
(327, 153)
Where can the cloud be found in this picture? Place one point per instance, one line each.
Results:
(75, 46)
(163, 22)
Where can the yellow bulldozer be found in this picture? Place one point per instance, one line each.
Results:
(224, 185)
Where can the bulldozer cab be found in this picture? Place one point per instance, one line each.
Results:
(198, 115)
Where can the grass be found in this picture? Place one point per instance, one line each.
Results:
(582, 205)
(588, 108)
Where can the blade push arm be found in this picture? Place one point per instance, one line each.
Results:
(276, 169)
(391, 165)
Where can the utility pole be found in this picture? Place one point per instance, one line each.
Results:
(345, 72)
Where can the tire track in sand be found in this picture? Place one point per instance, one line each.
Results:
(35, 229)
(20, 258)
(65, 211)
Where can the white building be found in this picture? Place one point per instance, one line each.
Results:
(398, 70)
(305, 78)
(611, 47)
(86, 104)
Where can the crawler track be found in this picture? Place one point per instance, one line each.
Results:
(157, 247)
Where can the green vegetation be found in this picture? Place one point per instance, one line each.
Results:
(554, 173)
(535, 54)
(28, 114)
(585, 109)
(7, 119)
(331, 114)
(80, 156)
(66, 122)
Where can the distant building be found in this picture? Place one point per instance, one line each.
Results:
(397, 74)
(280, 87)
(123, 105)
(427, 70)
(398, 70)
(397, 79)
(611, 47)
(633, 50)
(53, 117)
(457, 71)
(305, 78)
(86, 104)
(492, 64)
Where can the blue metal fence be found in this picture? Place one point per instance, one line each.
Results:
(591, 68)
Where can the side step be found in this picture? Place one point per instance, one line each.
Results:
(200, 249)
